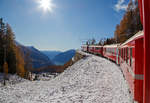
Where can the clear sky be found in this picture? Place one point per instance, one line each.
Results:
(61, 24)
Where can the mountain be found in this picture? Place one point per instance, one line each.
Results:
(37, 58)
(64, 57)
(51, 54)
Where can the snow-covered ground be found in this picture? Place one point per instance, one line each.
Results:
(91, 80)
(13, 79)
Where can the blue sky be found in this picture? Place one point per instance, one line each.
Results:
(70, 23)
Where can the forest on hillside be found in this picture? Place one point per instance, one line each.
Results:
(130, 24)
(11, 59)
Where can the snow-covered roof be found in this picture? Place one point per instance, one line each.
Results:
(111, 46)
(95, 46)
(84, 45)
(136, 36)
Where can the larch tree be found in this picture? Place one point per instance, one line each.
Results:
(130, 24)
(11, 50)
(2, 31)
(11, 59)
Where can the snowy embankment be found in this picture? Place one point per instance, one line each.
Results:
(91, 80)
(13, 79)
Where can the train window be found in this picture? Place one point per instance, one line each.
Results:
(124, 54)
(114, 51)
(127, 55)
(130, 56)
(121, 53)
(96, 48)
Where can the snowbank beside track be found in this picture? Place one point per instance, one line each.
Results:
(90, 80)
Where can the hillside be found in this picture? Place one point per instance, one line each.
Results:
(63, 57)
(90, 80)
(38, 59)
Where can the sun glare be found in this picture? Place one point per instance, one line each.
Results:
(46, 5)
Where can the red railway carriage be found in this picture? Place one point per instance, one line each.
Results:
(96, 49)
(131, 63)
(91, 49)
(130, 56)
(111, 52)
(84, 48)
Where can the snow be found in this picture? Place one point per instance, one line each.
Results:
(91, 80)
(13, 79)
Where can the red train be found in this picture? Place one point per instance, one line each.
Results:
(130, 57)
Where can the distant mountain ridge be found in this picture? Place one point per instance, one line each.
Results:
(64, 57)
(41, 59)
(51, 54)
(38, 59)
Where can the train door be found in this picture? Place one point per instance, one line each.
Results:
(117, 55)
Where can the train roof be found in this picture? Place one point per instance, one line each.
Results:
(111, 46)
(84, 45)
(95, 46)
(138, 35)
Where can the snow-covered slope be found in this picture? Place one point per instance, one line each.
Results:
(13, 79)
(90, 80)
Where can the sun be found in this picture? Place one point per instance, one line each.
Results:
(46, 5)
